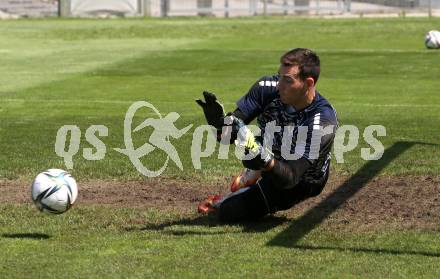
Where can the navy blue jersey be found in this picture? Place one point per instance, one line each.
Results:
(309, 132)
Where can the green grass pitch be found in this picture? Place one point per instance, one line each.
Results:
(88, 72)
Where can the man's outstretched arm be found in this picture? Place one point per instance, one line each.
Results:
(285, 174)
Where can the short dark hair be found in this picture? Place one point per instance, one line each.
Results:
(306, 60)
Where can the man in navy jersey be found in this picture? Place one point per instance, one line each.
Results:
(289, 162)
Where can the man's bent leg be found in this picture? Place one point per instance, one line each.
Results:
(262, 198)
(244, 205)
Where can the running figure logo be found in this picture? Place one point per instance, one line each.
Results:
(164, 128)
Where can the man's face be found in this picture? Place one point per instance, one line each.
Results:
(291, 88)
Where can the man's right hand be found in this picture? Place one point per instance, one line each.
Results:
(213, 110)
(261, 157)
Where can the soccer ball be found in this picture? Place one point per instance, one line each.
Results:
(54, 191)
(432, 39)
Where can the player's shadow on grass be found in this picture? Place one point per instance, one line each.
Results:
(36, 236)
(316, 215)
(207, 225)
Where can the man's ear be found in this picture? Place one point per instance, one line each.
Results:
(310, 82)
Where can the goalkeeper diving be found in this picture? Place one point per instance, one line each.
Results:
(290, 113)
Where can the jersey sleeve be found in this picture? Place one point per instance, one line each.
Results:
(316, 137)
(259, 95)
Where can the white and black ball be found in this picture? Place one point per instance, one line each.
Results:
(54, 191)
(432, 39)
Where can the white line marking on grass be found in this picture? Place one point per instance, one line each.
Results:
(67, 101)
(371, 50)
(71, 102)
(389, 105)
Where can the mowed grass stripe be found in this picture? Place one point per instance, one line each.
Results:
(23, 67)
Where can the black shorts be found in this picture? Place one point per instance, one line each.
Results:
(263, 198)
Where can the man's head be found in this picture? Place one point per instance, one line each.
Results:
(299, 71)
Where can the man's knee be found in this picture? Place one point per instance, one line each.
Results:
(316, 189)
(247, 206)
(232, 210)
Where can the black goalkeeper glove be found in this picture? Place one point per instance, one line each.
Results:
(260, 156)
(213, 110)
